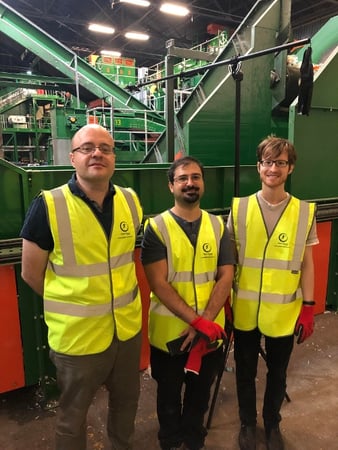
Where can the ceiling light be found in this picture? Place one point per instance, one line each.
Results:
(136, 2)
(101, 28)
(110, 53)
(175, 9)
(137, 36)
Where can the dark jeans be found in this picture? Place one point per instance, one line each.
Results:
(181, 415)
(278, 352)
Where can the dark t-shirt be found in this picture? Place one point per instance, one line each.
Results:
(152, 249)
(36, 225)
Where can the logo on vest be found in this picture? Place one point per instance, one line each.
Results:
(124, 227)
(283, 237)
(282, 240)
(207, 250)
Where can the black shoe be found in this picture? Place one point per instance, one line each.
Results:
(247, 437)
(274, 439)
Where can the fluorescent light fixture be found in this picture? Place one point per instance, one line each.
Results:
(110, 53)
(174, 9)
(137, 36)
(101, 28)
(144, 3)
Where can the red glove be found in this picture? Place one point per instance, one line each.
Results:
(196, 354)
(211, 330)
(305, 323)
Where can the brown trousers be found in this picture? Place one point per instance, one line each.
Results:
(79, 377)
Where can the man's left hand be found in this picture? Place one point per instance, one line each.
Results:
(305, 323)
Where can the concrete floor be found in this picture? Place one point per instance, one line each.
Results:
(310, 420)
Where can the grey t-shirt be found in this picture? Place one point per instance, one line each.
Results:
(153, 249)
(271, 214)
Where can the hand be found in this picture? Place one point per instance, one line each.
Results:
(211, 330)
(305, 323)
(196, 354)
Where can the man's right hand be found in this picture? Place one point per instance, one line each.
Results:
(211, 330)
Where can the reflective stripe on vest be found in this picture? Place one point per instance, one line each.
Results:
(191, 272)
(83, 286)
(266, 290)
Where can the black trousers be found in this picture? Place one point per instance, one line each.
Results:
(246, 350)
(181, 411)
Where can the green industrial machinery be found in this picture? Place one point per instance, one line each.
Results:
(37, 126)
(81, 80)
(120, 70)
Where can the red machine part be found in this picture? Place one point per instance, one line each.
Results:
(11, 356)
(321, 257)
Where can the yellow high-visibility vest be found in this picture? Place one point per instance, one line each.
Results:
(267, 292)
(90, 289)
(191, 272)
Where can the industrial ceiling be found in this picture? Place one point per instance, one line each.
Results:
(67, 21)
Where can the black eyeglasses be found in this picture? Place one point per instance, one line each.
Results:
(271, 162)
(182, 179)
(86, 149)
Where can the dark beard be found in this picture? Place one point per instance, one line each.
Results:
(192, 196)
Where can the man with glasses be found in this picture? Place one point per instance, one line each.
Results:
(274, 286)
(189, 262)
(78, 254)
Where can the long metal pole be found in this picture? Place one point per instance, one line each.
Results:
(231, 61)
(169, 108)
(237, 75)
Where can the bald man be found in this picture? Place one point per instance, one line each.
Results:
(78, 254)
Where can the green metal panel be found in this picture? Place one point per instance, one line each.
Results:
(34, 334)
(137, 123)
(21, 185)
(256, 97)
(12, 208)
(146, 181)
(324, 41)
(316, 137)
(325, 92)
(332, 287)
